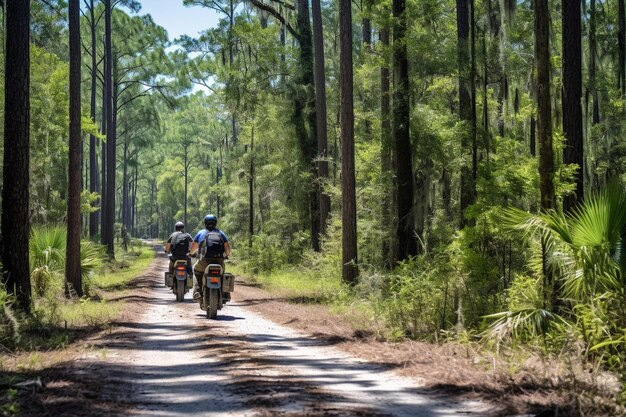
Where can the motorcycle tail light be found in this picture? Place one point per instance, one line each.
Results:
(215, 272)
(180, 268)
(215, 280)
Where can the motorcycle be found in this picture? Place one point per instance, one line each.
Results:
(179, 281)
(216, 288)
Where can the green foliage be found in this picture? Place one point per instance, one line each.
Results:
(10, 326)
(418, 302)
(47, 257)
(583, 252)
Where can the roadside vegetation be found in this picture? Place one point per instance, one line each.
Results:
(580, 347)
(57, 320)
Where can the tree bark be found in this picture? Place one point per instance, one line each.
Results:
(320, 112)
(133, 204)
(466, 107)
(305, 106)
(386, 158)
(533, 135)
(187, 163)
(544, 111)
(125, 187)
(621, 42)
(251, 190)
(16, 166)
(73, 275)
(103, 166)
(94, 217)
(111, 146)
(474, 130)
(592, 63)
(349, 258)
(572, 96)
(486, 138)
(407, 246)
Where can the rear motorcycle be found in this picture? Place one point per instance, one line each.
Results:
(179, 281)
(216, 288)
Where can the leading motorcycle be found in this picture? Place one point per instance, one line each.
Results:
(216, 287)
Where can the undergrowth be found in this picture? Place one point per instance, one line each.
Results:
(55, 320)
(418, 301)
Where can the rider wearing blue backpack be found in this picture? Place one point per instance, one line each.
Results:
(213, 245)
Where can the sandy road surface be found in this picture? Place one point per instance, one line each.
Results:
(176, 362)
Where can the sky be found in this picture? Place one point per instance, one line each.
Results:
(177, 19)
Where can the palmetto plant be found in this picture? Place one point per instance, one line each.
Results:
(584, 251)
(47, 257)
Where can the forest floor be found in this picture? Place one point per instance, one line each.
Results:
(262, 357)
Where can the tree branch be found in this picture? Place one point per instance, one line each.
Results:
(285, 4)
(274, 12)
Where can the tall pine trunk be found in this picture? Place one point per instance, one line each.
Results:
(16, 165)
(187, 163)
(544, 134)
(407, 246)
(349, 258)
(388, 203)
(94, 217)
(593, 50)
(134, 217)
(73, 275)
(305, 114)
(103, 166)
(544, 111)
(621, 42)
(125, 187)
(572, 95)
(320, 112)
(251, 189)
(110, 145)
(466, 105)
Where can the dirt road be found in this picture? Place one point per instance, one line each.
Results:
(173, 361)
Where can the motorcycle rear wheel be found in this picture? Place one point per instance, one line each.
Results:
(211, 303)
(180, 291)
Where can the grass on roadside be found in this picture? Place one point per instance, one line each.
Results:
(57, 321)
(296, 285)
(127, 267)
(320, 286)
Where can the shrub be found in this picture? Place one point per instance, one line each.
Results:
(47, 259)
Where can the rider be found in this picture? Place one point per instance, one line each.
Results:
(178, 246)
(214, 246)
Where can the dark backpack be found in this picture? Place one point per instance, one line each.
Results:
(213, 244)
(180, 245)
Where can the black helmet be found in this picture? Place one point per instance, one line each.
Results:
(180, 225)
(210, 219)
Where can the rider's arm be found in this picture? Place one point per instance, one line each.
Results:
(190, 242)
(227, 249)
(195, 244)
(194, 248)
(168, 245)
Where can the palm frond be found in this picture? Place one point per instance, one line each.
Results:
(531, 322)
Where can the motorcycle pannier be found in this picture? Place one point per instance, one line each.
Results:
(228, 283)
(169, 279)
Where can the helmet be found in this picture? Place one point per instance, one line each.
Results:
(179, 225)
(210, 219)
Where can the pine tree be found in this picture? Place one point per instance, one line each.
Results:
(16, 166)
